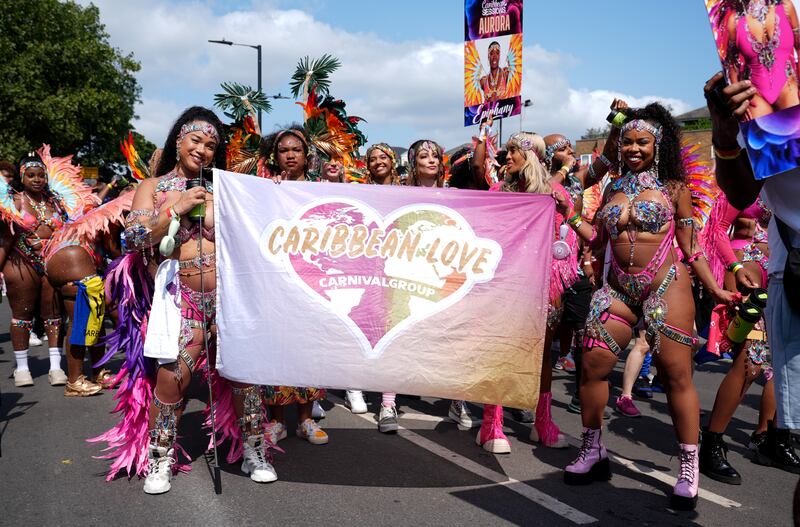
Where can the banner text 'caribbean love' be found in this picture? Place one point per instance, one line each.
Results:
(432, 292)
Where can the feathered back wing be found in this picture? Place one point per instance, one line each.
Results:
(8, 210)
(65, 182)
(701, 182)
(99, 220)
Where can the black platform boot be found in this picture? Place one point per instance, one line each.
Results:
(714, 459)
(778, 450)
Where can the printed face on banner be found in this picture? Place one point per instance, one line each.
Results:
(492, 78)
(378, 274)
(759, 40)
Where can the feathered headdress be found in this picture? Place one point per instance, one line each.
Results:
(139, 169)
(241, 104)
(334, 134)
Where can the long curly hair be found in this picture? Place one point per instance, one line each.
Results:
(169, 155)
(533, 172)
(670, 164)
(412, 180)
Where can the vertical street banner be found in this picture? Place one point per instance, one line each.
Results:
(492, 59)
(410, 290)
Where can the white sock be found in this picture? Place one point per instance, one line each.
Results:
(22, 360)
(55, 358)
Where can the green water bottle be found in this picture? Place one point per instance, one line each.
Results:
(743, 322)
(198, 212)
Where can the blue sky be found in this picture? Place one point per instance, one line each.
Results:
(632, 45)
(402, 60)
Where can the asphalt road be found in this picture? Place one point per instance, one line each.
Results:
(430, 473)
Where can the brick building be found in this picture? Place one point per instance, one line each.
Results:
(696, 129)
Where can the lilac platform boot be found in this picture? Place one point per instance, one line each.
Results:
(592, 462)
(684, 494)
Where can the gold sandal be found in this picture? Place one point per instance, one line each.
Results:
(82, 387)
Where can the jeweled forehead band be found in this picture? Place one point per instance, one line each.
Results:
(431, 146)
(206, 128)
(31, 164)
(521, 141)
(551, 150)
(642, 126)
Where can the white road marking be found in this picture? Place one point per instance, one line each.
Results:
(526, 491)
(424, 417)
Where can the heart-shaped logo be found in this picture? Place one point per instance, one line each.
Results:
(380, 275)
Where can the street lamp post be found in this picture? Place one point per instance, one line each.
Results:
(256, 47)
(526, 104)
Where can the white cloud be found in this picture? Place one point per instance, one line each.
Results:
(405, 90)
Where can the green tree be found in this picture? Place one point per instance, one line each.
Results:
(62, 83)
(597, 133)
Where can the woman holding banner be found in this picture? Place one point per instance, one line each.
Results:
(643, 212)
(381, 170)
(426, 169)
(173, 216)
(527, 173)
(285, 156)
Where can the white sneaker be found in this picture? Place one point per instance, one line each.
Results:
(498, 445)
(311, 432)
(158, 477)
(317, 411)
(387, 420)
(57, 377)
(22, 378)
(276, 431)
(459, 413)
(34, 340)
(255, 462)
(354, 400)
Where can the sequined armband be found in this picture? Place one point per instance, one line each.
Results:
(685, 222)
(137, 236)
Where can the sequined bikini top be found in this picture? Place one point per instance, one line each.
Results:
(645, 215)
(185, 234)
(173, 181)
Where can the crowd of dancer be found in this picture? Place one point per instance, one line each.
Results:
(631, 253)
